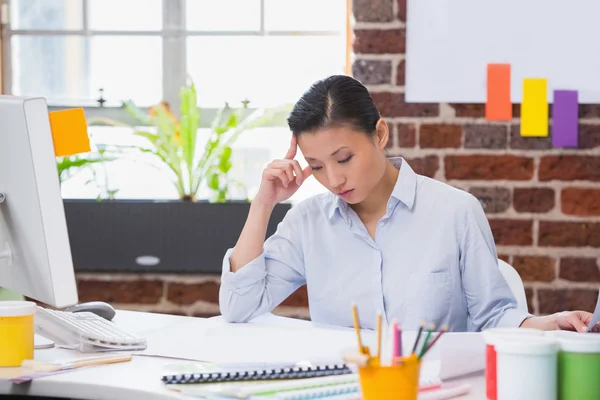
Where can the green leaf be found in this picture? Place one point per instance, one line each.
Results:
(213, 181)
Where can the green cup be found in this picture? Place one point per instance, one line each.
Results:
(579, 366)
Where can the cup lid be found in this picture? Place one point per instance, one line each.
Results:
(527, 345)
(579, 342)
(17, 308)
(490, 336)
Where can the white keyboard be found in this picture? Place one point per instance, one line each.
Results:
(85, 331)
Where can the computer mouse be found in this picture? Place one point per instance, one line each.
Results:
(99, 308)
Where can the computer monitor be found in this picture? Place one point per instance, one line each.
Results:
(35, 254)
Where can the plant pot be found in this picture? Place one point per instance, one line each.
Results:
(156, 236)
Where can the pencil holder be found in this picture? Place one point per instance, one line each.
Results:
(393, 382)
(16, 332)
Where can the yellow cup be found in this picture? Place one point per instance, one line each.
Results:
(16, 332)
(394, 382)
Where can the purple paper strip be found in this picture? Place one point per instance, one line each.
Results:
(565, 129)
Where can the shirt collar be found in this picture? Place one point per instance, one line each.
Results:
(404, 190)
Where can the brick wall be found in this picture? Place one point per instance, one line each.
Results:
(543, 203)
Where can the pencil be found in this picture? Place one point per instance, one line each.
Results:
(357, 327)
(422, 325)
(399, 340)
(435, 339)
(426, 342)
(394, 339)
(379, 336)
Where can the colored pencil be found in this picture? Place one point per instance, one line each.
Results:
(422, 325)
(379, 336)
(442, 331)
(357, 327)
(399, 340)
(426, 342)
(394, 339)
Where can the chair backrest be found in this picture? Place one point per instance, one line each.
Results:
(515, 283)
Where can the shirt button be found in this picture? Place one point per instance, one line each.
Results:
(381, 223)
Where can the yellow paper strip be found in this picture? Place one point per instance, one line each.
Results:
(534, 107)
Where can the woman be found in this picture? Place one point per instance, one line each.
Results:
(390, 240)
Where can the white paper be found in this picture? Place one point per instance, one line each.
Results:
(596, 316)
(271, 340)
(450, 43)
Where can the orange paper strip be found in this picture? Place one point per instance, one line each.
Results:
(69, 132)
(498, 106)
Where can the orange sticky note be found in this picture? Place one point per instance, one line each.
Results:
(498, 106)
(69, 132)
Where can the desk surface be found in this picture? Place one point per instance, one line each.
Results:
(139, 378)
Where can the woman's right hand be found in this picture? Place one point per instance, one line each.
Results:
(282, 178)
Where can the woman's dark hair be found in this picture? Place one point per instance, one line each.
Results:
(334, 101)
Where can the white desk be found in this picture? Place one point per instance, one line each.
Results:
(140, 378)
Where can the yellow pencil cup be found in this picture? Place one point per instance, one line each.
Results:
(16, 332)
(394, 382)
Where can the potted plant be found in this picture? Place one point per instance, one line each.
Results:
(187, 234)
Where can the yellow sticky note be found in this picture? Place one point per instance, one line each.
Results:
(69, 132)
(534, 107)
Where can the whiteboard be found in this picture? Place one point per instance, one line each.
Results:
(450, 43)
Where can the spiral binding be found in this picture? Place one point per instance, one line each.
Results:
(264, 374)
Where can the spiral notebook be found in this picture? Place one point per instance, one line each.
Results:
(259, 374)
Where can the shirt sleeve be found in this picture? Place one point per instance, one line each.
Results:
(490, 300)
(263, 283)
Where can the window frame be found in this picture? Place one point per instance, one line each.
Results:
(174, 37)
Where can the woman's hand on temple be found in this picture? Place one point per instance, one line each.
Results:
(282, 178)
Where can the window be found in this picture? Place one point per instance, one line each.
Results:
(77, 52)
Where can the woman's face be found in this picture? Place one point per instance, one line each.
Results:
(349, 163)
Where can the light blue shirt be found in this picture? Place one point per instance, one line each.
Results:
(433, 259)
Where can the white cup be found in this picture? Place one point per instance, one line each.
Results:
(527, 368)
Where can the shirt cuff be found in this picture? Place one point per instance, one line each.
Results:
(513, 318)
(245, 277)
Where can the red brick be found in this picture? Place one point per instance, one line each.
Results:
(533, 200)
(297, 299)
(373, 10)
(569, 234)
(479, 136)
(512, 232)
(489, 167)
(579, 269)
(440, 136)
(504, 257)
(393, 105)
(184, 293)
(492, 199)
(379, 41)
(426, 166)
(535, 268)
(406, 135)
(589, 111)
(469, 110)
(570, 168)
(372, 72)
(589, 136)
(120, 292)
(204, 314)
(402, 10)
(519, 142)
(529, 293)
(583, 202)
(401, 74)
(551, 301)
